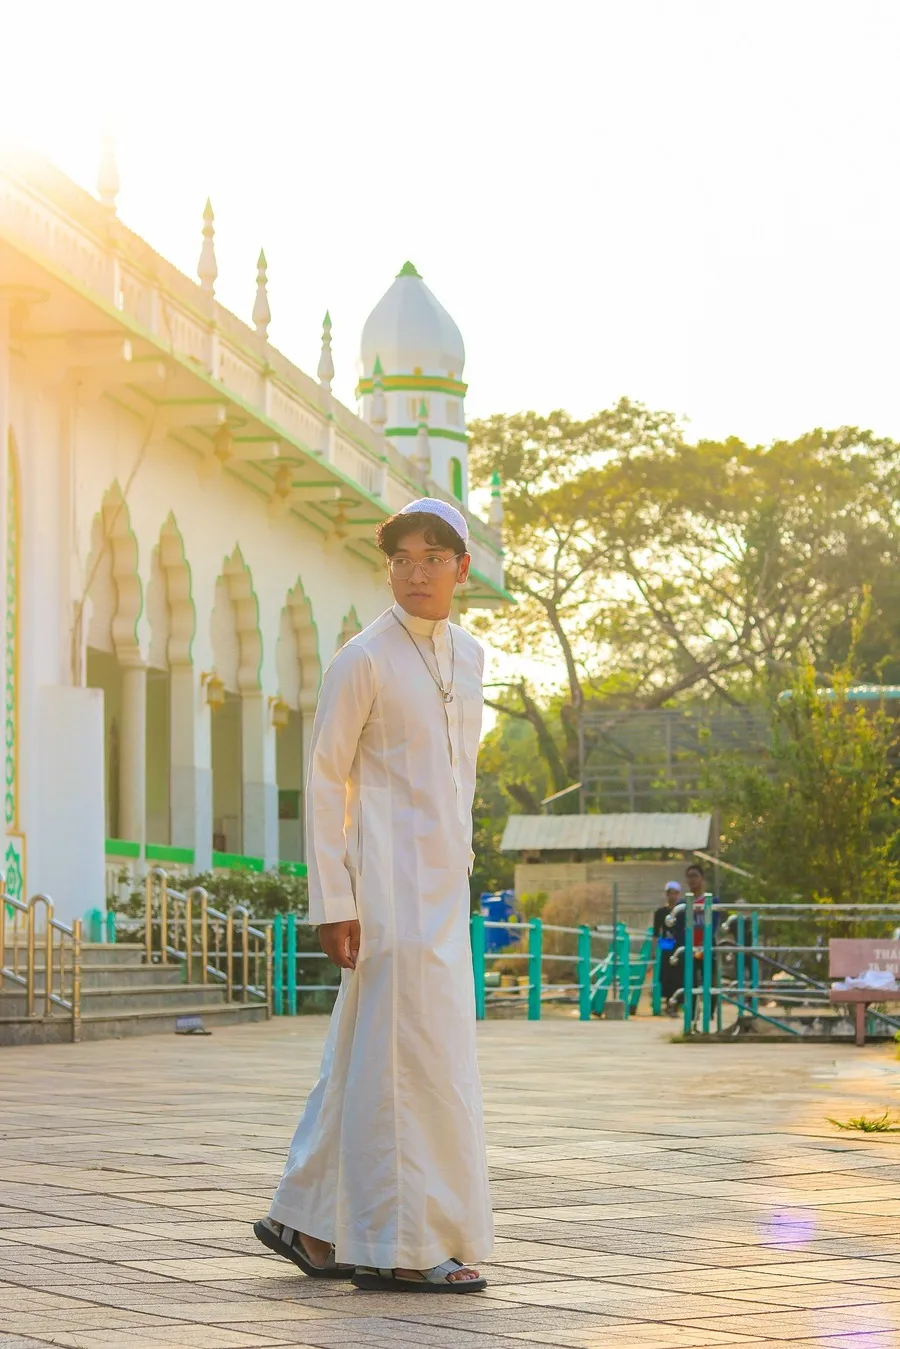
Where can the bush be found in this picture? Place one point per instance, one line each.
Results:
(264, 893)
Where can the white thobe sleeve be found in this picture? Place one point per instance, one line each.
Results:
(345, 701)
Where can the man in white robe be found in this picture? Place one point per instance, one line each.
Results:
(386, 1180)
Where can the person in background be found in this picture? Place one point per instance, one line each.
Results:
(670, 976)
(696, 884)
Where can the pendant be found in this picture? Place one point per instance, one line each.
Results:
(448, 696)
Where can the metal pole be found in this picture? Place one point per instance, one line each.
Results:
(625, 939)
(535, 968)
(148, 917)
(292, 964)
(477, 931)
(278, 958)
(615, 926)
(584, 972)
(656, 995)
(688, 964)
(707, 962)
(754, 961)
(76, 981)
(741, 964)
(268, 972)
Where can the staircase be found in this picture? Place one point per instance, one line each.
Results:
(110, 990)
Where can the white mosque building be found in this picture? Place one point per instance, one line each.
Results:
(188, 539)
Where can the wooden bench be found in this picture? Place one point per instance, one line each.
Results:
(849, 957)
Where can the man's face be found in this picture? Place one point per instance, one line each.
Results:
(423, 577)
(695, 881)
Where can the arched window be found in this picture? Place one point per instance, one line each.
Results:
(456, 479)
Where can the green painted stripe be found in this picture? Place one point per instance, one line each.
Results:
(293, 868)
(437, 431)
(228, 861)
(122, 847)
(161, 852)
(415, 384)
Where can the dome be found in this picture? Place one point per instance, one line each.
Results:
(410, 330)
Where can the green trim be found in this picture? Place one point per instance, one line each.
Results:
(414, 384)
(456, 478)
(437, 431)
(492, 586)
(162, 852)
(293, 868)
(230, 861)
(122, 847)
(409, 270)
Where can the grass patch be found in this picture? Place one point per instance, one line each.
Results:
(888, 1123)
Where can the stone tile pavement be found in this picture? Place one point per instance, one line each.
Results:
(648, 1195)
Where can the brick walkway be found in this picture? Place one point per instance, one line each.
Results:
(648, 1196)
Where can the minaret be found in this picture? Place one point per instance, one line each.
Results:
(411, 365)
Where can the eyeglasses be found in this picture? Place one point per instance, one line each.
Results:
(402, 568)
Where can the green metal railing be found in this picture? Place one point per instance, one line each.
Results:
(764, 971)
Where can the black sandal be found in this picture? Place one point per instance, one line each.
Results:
(435, 1280)
(287, 1242)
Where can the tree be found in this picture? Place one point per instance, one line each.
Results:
(816, 819)
(648, 569)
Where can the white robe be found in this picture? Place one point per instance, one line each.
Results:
(388, 1160)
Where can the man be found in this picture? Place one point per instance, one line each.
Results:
(386, 1180)
(696, 883)
(670, 976)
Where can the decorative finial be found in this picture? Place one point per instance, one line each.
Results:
(108, 175)
(326, 363)
(495, 514)
(422, 456)
(378, 419)
(409, 270)
(206, 267)
(262, 315)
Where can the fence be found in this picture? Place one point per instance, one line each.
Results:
(40, 960)
(790, 968)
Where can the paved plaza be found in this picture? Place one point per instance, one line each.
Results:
(649, 1195)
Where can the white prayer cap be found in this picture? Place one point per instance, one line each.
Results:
(672, 885)
(443, 510)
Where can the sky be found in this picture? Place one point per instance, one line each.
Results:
(695, 203)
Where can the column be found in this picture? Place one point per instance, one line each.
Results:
(190, 767)
(308, 700)
(133, 755)
(260, 782)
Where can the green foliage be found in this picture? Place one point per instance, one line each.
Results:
(264, 893)
(508, 763)
(817, 819)
(647, 568)
(888, 1123)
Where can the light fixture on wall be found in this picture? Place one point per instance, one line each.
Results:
(281, 713)
(215, 689)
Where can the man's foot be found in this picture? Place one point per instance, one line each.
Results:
(314, 1256)
(456, 1276)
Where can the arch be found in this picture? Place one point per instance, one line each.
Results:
(234, 627)
(297, 658)
(170, 605)
(349, 627)
(457, 481)
(113, 584)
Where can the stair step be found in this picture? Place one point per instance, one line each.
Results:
(118, 1025)
(123, 976)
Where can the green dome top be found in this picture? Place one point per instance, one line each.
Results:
(408, 269)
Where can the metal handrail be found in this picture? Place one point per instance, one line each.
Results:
(69, 939)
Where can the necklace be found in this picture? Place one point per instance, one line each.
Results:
(445, 692)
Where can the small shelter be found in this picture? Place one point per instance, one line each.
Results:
(636, 852)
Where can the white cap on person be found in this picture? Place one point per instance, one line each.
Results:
(673, 885)
(443, 510)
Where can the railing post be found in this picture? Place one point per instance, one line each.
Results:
(640, 973)
(148, 916)
(656, 989)
(229, 957)
(584, 972)
(76, 981)
(688, 963)
(278, 960)
(477, 935)
(188, 937)
(111, 928)
(535, 968)
(741, 962)
(754, 959)
(625, 993)
(292, 964)
(707, 962)
(204, 935)
(268, 931)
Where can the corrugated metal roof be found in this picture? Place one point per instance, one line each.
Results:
(589, 832)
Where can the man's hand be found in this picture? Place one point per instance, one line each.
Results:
(340, 942)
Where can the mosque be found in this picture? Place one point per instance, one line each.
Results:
(188, 538)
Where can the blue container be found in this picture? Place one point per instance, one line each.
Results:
(499, 908)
